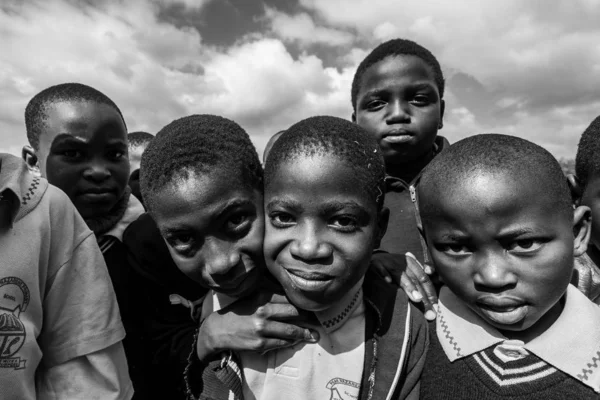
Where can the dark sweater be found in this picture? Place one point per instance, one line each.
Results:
(168, 329)
(480, 376)
(403, 234)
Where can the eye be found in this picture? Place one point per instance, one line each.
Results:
(374, 105)
(282, 219)
(182, 243)
(453, 249)
(344, 223)
(116, 155)
(421, 100)
(73, 154)
(525, 246)
(237, 222)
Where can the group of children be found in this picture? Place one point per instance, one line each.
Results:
(180, 266)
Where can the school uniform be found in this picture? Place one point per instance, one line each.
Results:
(372, 346)
(403, 234)
(587, 277)
(470, 359)
(60, 328)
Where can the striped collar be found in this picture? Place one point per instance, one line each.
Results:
(571, 344)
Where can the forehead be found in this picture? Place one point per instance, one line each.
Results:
(485, 197)
(397, 71)
(85, 120)
(199, 198)
(317, 178)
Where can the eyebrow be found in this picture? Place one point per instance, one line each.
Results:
(285, 203)
(235, 203)
(516, 232)
(335, 206)
(413, 86)
(454, 237)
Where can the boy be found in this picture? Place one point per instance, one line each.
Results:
(78, 141)
(324, 207)
(502, 232)
(138, 141)
(586, 190)
(397, 97)
(56, 342)
(270, 144)
(203, 182)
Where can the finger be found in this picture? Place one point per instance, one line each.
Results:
(281, 330)
(381, 271)
(429, 269)
(274, 344)
(410, 289)
(420, 278)
(429, 298)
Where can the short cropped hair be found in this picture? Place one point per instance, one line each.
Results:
(139, 138)
(199, 144)
(336, 137)
(270, 144)
(397, 47)
(587, 160)
(35, 112)
(522, 160)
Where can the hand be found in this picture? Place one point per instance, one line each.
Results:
(407, 272)
(261, 322)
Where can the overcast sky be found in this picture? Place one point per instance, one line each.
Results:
(526, 68)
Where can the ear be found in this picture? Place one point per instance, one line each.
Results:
(442, 109)
(582, 221)
(576, 188)
(383, 218)
(354, 116)
(30, 157)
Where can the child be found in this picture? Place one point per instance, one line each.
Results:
(202, 181)
(78, 142)
(138, 141)
(324, 207)
(397, 96)
(56, 341)
(502, 232)
(586, 190)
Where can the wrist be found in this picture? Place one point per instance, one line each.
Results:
(205, 347)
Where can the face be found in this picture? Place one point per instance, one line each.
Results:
(135, 157)
(591, 199)
(507, 257)
(399, 103)
(321, 229)
(83, 151)
(214, 231)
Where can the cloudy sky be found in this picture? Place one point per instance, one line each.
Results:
(530, 68)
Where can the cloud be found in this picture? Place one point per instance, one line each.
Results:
(301, 28)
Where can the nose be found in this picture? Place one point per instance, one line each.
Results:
(310, 246)
(220, 257)
(494, 273)
(96, 171)
(398, 113)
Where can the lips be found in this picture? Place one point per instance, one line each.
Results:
(397, 136)
(309, 281)
(504, 310)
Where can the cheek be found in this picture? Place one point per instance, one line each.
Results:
(64, 176)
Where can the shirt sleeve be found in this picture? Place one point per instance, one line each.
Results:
(81, 315)
(99, 375)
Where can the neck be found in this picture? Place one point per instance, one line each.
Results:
(410, 170)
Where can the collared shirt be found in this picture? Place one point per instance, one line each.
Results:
(330, 368)
(571, 344)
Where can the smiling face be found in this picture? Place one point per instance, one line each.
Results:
(505, 249)
(214, 230)
(321, 229)
(399, 103)
(83, 151)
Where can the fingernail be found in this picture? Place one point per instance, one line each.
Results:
(428, 270)
(430, 315)
(416, 295)
(388, 279)
(411, 255)
(313, 336)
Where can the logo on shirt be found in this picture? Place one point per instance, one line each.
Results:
(14, 299)
(343, 389)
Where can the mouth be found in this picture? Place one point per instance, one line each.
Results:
(503, 310)
(309, 281)
(235, 284)
(97, 195)
(397, 136)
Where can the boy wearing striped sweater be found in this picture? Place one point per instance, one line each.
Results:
(502, 232)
